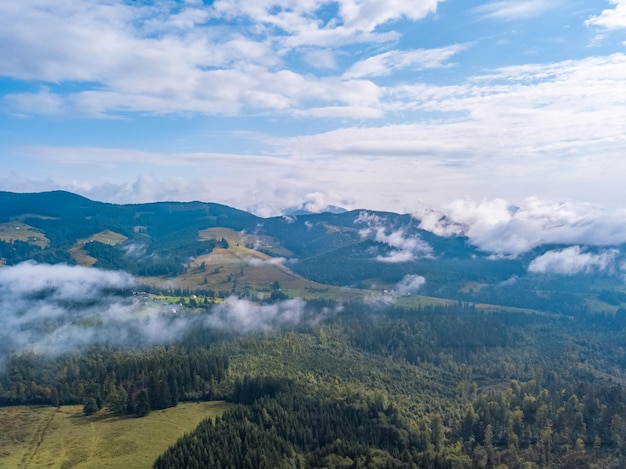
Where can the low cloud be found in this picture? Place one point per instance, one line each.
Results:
(134, 250)
(59, 282)
(410, 284)
(574, 260)
(257, 262)
(503, 229)
(54, 309)
(240, 315)
(404, 247)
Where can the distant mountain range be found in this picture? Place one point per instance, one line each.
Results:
(367, 253)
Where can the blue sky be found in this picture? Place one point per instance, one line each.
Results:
(477, 109)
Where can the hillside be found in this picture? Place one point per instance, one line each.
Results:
(221, 250)
(339, 340)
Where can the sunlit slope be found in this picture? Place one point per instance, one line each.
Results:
(107, 237)
(332, 255)
(42, 437)
(245, 271)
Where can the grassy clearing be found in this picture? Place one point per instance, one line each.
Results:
(43, 437)
(18, 231)
(414, 301)
(599, 306)
(242, 239)
(106, 237)
(242, 270)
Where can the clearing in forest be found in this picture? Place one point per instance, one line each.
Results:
(36, 437)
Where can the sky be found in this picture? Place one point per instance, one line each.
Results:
(482, 110)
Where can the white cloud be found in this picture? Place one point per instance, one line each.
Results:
(315, 203)
(167, 57)
(323, 58)
(561, 109)
(258, 262)
(388, 62)
(156, 59)
(573, 260)
(217, 92)
(404, 247)
(410, 284)
(299, 20)
(243, 316)
(511, 10)
(62, 281)
(554, 131)
(368, 14)
(503, 229)
(611, 18)
(59, 308)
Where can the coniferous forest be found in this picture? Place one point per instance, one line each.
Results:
(328, 354)
(367, 386)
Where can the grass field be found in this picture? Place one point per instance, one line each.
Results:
(244, 271)
(18, 231)
(44, 437)
(106, 237)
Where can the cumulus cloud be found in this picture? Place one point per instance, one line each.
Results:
(404, 247)
(611, 18)
(167, 57)
(504, 229)
(573, 260)
(324, 58)
(315, 203)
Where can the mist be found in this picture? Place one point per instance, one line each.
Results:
(502, 229)
(403, 247)
(574, 260)
(54, 309)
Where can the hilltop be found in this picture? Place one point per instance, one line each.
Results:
(220, 250)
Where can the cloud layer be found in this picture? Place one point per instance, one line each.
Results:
(58, 308)
(574, 260)
(509, 230)
(165, 57)
(269, 105)
(403, 246)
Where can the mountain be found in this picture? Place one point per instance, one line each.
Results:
(303, 211)
(208, 246)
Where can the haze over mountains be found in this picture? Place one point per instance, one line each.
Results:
(103, 305)
(525, 258)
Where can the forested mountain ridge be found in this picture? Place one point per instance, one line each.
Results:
(364, 250)
(339, 340)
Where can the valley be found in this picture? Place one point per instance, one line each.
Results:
(174, 335)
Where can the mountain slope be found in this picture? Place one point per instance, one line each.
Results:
(367, 250)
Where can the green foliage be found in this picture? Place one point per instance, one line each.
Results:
(123, 380)
(91, 406)
(431, 388)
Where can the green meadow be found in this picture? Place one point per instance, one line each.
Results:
(45, 437)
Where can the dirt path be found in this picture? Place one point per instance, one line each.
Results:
(37, 440)
(94, 442)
